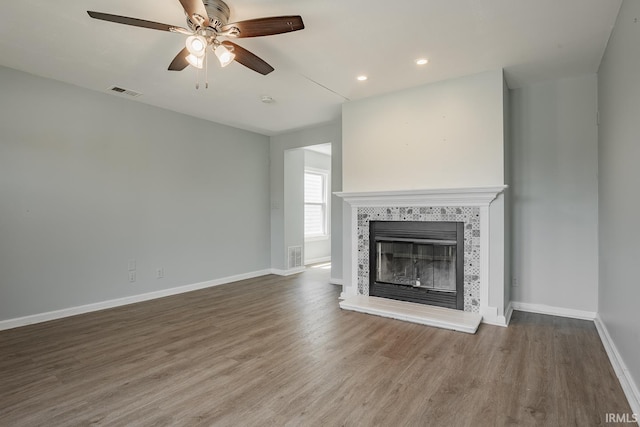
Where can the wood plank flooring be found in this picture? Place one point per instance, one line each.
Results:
(278, 351)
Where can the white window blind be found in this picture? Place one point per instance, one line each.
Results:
(315, 204)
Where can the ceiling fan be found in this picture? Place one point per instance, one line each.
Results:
(208, 21)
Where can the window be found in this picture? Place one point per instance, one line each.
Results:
(315, 204)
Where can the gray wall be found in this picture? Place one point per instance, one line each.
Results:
(619, 153)
(332, 133)
(508, 201)
(89, 181)
(419, 135)
(555, 193)
(293, 200)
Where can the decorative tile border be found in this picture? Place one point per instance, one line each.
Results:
(469, 215)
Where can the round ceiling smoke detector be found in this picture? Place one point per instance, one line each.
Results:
(267, 99)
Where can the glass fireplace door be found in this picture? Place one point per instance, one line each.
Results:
(419, 264)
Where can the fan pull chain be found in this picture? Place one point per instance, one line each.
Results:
(206, 71)
(197, 78)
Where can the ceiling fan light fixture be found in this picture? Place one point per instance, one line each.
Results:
(206, 21)
(196, 45)
(225, 56)
(195, 61)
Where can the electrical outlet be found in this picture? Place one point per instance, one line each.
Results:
(132, 276)
(160, 273)
(132, 265)
(514, 283)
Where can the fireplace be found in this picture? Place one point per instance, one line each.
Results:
(481, 251)
(417, 261)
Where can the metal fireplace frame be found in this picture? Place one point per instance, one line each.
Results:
(419, 230)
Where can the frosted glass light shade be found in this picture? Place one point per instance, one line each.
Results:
(196, 45)
(225, 56)
(195, 61)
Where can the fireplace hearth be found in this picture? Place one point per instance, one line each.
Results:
(417, 261)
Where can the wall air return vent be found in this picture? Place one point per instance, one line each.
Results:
(123, 91)
(295, 256)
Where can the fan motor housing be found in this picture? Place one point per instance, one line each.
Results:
(218, 12)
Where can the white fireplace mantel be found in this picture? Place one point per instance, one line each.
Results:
(470, 196)
(492, 305)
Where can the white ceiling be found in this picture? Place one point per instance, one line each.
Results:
(320, 148)
(316, 68)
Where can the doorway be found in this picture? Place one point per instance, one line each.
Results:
(317, 204)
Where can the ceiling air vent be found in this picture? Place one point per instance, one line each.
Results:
(123, 91)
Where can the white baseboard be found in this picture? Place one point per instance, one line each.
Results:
(508, 313)
(554, 311)
(629, 386)
(289, 272)
(317, 260)
(490, 316)
(335, 281)
(72, 311)
(495, 321)
(501, 320)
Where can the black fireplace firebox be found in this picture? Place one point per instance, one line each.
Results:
(417, 261)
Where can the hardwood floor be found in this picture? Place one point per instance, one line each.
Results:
(279, 351)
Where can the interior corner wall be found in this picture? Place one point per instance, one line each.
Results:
(90, 181)
(619, 178)
(508, 200)
(331, 132)
(555, 193)
(499, 222)
(442, 135)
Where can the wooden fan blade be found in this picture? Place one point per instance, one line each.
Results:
(248, 59)
(267, 26)
(179, 63)
(195, 7)
(130, 21)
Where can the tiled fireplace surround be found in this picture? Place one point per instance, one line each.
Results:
(469, 215)
(483, 291)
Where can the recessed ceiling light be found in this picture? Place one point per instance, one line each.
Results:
(267, 99)
(362, 78)
(421, 61)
